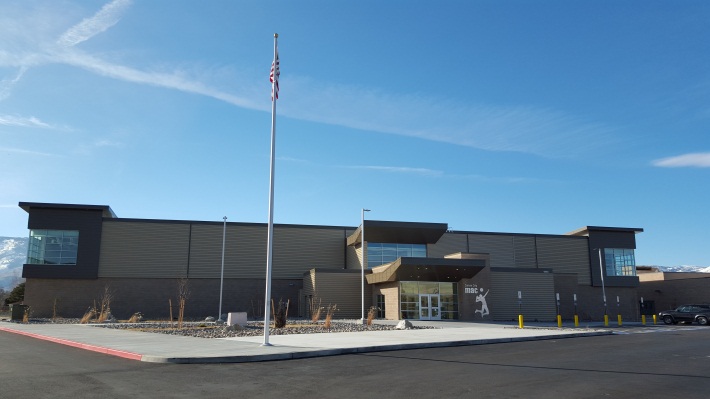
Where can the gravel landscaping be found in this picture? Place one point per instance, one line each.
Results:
(204, 329)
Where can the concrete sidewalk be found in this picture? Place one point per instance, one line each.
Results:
(164, 348)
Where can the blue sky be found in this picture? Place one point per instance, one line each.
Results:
(515, 116)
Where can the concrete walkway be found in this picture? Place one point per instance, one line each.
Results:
(163, 348)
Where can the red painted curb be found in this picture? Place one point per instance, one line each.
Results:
(93, 348)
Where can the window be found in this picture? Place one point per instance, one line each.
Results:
(53, 247)
(380, 306)
(381, 253)
(620, 262)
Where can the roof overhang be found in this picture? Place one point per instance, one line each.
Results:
(584, 231)
(106, 211)
(426, 269)
(399, 232)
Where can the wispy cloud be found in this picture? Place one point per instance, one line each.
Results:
(25, 152)
(11, 120)
(400, 169)
(694, 160)
(108, 16)
(527, 129)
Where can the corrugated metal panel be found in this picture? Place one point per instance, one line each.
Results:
(565, 255)
(342, 290)
(206, 250)
(524, 251)
(448, 244)
(299, 249)
(499, 246)
(141, 250)
(538, 290)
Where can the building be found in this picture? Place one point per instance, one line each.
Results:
(413, 270)
(668, 290)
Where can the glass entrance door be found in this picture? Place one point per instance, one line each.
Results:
(429, 307)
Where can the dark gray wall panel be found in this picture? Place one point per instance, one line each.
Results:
(88, 223)
(499, 246)
(565, 255)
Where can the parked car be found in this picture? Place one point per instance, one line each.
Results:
(687, 314)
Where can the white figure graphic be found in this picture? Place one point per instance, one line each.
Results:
(484, 307)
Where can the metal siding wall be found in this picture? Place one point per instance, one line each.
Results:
(342, 290)
(144, 250)
(299, 249)
(499, 246)
(525, 252)
(538, 291)
(206, 250)
(565, 255)
(448, 244)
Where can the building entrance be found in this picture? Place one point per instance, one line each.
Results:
(429, 308)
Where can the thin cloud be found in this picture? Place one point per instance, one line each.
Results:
(10, 120)
(693, 160)
(526, 129)
(400, 169)
(108, 16)
(25, 152)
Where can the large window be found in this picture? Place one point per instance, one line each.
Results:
(381, 253)
(620, 262)
(53, 247)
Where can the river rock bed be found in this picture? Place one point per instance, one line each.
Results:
(205, 329)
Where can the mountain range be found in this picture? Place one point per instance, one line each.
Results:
(13, 252)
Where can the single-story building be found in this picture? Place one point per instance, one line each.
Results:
(412, 270)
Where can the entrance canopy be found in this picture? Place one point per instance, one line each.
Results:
(426, 269)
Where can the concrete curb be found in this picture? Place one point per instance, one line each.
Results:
(295, 353)
(93, 348)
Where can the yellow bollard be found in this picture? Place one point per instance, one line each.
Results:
(654, 319)
(576, 321)
(606, 320)
(559, 321)
(643, 319)
(618, 317)
(520, 321)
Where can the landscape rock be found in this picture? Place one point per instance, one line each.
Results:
(404, 325)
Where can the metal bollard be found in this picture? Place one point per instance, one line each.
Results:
(520, 321)
(576, 321)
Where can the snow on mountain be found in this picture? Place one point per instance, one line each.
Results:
(684, 269)
(13, 252)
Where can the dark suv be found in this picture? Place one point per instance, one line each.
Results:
(687, 314)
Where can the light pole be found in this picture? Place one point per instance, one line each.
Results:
(221, 275)
(362, 265)
(601, 272)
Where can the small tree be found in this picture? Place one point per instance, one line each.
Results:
(183, 292)
(16, 295)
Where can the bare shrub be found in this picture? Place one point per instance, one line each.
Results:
(136, 318)
(330, 311)
(315, 309)
(89, 315)
(26, 315)
(54, 310)
(280, 313)
(371, 313)
(105, 303)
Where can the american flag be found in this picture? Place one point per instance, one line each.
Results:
(274, 76)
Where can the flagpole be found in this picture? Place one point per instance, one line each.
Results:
(270, 234)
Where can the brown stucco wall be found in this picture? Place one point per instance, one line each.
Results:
(669, 294)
